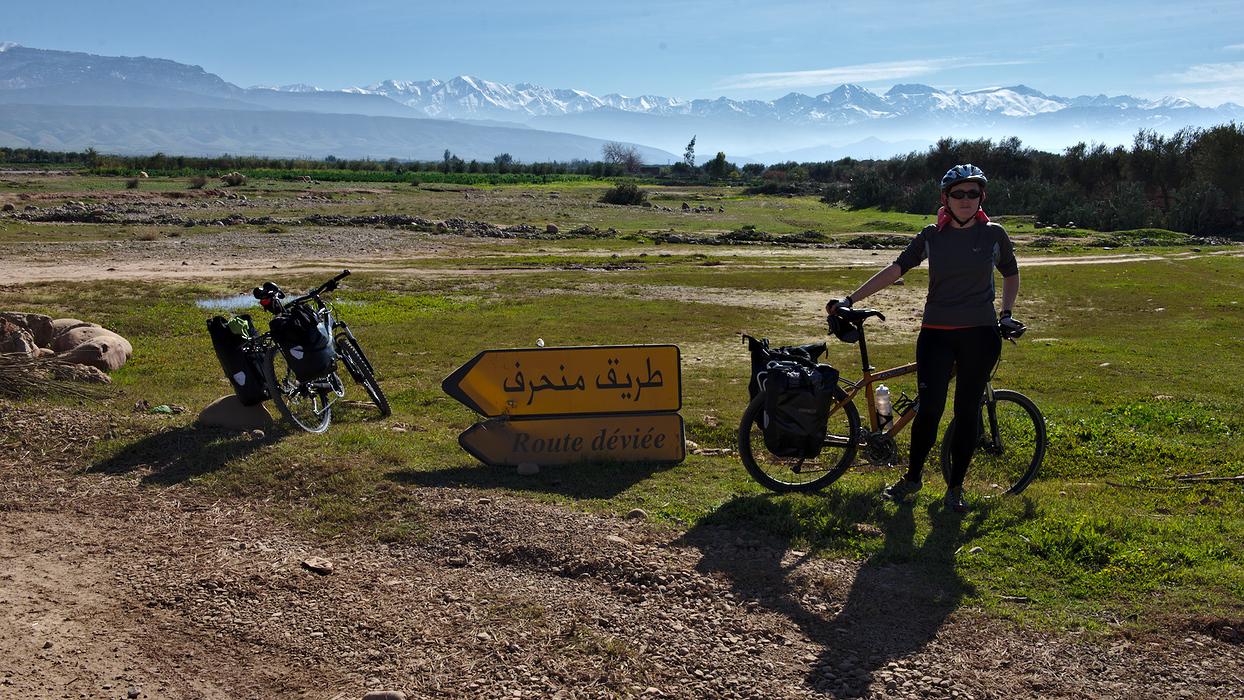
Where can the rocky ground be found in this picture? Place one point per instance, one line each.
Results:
(113, 586)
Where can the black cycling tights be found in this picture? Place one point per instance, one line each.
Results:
(974, 351)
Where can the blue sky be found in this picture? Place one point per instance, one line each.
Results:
(741, 49)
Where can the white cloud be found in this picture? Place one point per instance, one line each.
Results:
(1234, 47)
(865, 73)
(1232, 73)
(887, 71)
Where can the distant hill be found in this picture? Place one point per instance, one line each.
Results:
(69, 101)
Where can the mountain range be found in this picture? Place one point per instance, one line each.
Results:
(62, 100)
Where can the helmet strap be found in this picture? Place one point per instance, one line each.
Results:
(964, 222)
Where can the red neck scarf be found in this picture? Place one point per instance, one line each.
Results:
(943, 217)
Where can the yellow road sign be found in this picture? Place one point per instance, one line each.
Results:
(577, 380)
(655, 437)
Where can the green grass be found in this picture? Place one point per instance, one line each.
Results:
(1134, 365)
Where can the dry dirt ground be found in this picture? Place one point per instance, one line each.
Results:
(111, 587)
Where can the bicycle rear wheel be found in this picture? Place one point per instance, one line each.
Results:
(361, 371)
(784, 474)
(309, 405)
(1011, 445)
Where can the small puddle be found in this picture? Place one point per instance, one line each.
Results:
(241, 301)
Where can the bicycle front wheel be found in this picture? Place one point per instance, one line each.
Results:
(309, 405)
(1011, 444)
(361, 370)
(783, 474)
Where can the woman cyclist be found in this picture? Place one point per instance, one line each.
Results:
(959, 331)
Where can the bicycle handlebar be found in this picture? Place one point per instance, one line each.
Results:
(270, 295)
(858, 316)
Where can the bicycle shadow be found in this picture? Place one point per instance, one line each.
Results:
(173, 456)
(601, 479)
(861, 615)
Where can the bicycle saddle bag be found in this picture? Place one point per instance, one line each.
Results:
(243, 375)
(762, 355)
(304, 341)
(797, 403)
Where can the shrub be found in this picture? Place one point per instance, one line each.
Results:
(197, 181)
(835, 192)
(131, 184)
(1201, 209)
(625, 193)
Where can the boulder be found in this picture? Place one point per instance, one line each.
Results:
(228, 412)
(106, 352)
(39, 325)
(73, 337)
(16, 339)
(60, 327)
(80, 373)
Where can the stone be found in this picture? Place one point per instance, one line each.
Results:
(228, 412)
(385, 695)
(106, 352)
(39, 325)
(70, 372)
(551, 228)
(61, 325)
(319, 565)
(16, 339)
(73, 337)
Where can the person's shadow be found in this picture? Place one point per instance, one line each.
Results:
(861, 618)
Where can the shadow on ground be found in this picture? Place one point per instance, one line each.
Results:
(172, 456)
(601, 479)
(862, 616)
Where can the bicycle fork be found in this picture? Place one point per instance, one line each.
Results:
(990, 436)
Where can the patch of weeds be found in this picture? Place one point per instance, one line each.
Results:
(884, 225)
(870, 242)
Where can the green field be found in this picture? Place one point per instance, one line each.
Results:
(1131, 354)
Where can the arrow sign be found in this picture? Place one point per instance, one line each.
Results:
(656, 437)
(578, 380)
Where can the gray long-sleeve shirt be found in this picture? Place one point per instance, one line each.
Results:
(961, 265)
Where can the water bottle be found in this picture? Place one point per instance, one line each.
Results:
(885, 413)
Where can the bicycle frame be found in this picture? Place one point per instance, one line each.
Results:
(864, 385)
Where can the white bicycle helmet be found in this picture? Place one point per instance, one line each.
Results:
(963, 173)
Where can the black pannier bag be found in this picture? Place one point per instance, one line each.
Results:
(304, 342)
(245, 378)
(798, 398)
(762, 355)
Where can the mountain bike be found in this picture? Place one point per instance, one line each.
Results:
(308, 401)
(1012, 433)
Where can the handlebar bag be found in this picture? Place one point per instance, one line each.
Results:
(243, 375)
(304, 341)
(797, 404)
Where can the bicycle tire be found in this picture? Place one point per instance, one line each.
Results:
(305, 404)
(797, 474)
(1004, 466)
(360, 370)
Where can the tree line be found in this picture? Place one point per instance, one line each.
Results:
(1191, 181)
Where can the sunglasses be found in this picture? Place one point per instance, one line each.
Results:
(970, 194)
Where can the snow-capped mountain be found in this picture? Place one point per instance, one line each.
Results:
(467, 97)
(64, 83)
